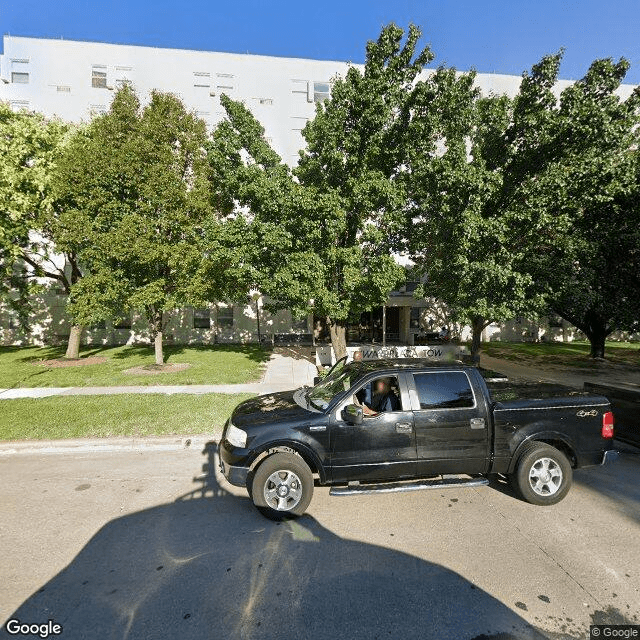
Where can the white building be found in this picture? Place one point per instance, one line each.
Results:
(73, 80)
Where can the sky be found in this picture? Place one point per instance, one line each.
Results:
(498, 36)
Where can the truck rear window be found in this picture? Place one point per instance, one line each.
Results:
(443, 390)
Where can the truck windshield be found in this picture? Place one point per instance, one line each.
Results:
(324, 392)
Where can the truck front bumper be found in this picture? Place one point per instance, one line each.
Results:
(610, 456)
(236, 475)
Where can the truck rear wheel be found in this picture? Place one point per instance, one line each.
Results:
(282, 486)
(543, 474)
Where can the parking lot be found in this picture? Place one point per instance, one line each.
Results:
(155, 544)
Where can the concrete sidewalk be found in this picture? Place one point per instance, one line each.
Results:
(282, 374)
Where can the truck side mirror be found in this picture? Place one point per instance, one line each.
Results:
(352, 414)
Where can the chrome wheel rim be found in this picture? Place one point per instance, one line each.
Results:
(283, 490)
(545, 477)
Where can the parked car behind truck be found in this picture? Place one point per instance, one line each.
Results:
(450, 430)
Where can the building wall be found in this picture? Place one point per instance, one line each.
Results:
(279, 91)
(49, 325)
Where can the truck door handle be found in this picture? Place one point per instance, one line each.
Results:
(404, 427)
(476, 423)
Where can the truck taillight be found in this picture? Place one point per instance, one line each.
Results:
(607, 424)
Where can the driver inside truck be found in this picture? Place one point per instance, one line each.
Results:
(383, 398)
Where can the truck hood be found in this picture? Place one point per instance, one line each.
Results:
(274, 407)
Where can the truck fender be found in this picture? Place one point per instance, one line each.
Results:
(295, 446)
(548, 437)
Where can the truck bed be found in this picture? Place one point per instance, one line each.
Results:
(505, 392)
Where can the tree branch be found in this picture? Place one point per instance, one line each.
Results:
(47, 274)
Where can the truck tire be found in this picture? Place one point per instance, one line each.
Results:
(282, 486)
(543, 474)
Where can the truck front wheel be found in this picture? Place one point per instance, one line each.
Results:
(282, 486)
(543, 475)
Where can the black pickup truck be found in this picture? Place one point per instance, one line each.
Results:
(449, 426)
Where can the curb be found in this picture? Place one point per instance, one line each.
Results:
(106, 445)
(20, 393)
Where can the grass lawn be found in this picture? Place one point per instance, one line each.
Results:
(218, 364)
(118, 415)
(575, 354)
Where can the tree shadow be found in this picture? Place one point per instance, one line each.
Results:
(210, 566)
(52, 352)
(254, 352)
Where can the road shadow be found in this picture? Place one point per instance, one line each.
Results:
(210, 566)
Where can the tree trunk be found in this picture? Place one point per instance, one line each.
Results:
(477, 326)
(258, 320)
(158, 348)
(596, 330)
(73, 345)
(338, 333)
(157, 329)
(597, 337)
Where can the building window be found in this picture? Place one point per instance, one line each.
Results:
(300, 86)
(225, 317)
(62, 89)
(123, 323)
(19, 77)
(19, 105)
(201, 319)
(299, 324)
(555, 321)
(202, 79)
(266, 101)
(99, 77)
(414, 318)
(321, 91)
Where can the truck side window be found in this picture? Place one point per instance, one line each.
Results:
(443, 390)
(381, 395)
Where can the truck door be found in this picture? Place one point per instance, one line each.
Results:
(452, 434)
(383, 447)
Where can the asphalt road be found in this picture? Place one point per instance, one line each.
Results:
(154, 544)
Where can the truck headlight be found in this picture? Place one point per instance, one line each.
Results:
(236, 437)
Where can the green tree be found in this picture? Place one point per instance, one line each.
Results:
(575, 192)
(323, 232)
(33, 232)
(464, 244)
(140, 183)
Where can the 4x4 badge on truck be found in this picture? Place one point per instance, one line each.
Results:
(586, 414)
